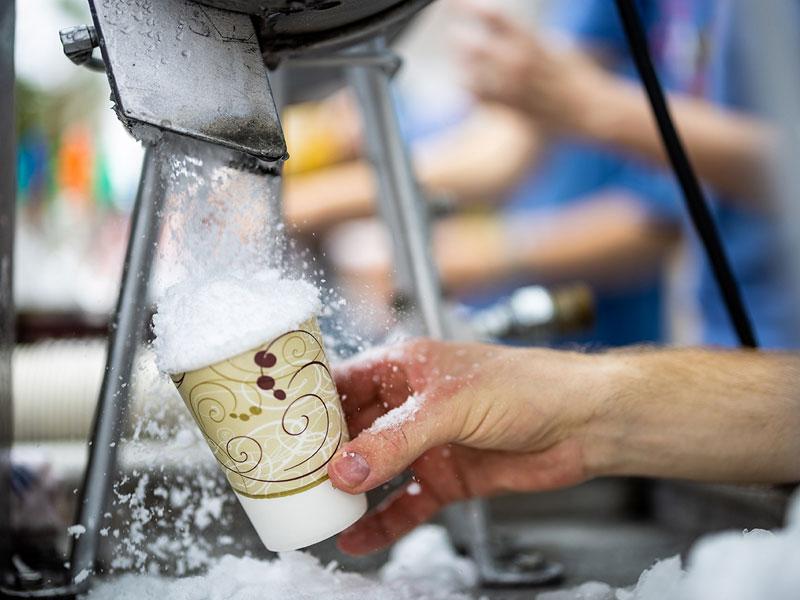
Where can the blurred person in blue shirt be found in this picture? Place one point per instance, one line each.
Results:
(576, 94)
(569, 210)
(575, 173)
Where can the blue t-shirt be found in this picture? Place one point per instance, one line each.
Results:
(573, 170)
(570, 172)
(751, 237)
(699, 47)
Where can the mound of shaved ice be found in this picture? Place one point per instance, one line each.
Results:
(301, 576)
(204, 320)
(749, 565)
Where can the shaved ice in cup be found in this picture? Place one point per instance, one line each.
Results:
(247, 357)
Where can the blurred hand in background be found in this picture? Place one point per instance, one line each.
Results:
(504, 62)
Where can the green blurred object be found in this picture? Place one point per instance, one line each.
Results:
(103, 191)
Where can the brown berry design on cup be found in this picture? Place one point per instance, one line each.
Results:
(266, 360)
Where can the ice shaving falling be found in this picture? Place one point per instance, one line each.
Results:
(239, 337)
(226, 280)
(222, 264)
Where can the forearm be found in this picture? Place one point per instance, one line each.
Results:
(731, 416)
(462, 165)
(479, 161)
(609, 241)
(315, 201)
(729, 150)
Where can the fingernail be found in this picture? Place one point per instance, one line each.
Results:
(351, 468)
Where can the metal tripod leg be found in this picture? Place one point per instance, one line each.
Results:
(125, 337)
(403, 209)
(8, 188)
(400, 202)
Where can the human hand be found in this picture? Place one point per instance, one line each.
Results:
(490, 420)
(503, 62)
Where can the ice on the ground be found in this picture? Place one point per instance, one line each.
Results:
(749, 565)
(398, 416)
(438, 574)
(662, 581)
(425, 559)
(205, 320)
(591, 590)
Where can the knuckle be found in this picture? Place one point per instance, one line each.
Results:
(395, 439)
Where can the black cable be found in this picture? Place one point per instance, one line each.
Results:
(693, 195)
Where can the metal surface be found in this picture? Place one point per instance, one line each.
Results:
(126, 335)
(405, 213)
(536, 314)
(7, 202)
(179, 66)
(290, 26)
(79, 43)
(386, 61)
(492, 574)
(324, 12)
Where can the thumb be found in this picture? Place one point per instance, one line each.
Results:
(385, 449)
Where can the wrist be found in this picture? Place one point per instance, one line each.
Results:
(609, 385)
(524, 240)
(605, 107)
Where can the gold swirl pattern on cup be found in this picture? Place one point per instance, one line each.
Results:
(271, 416)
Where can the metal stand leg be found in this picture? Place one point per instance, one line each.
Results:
(404, 211)
(125, 337)
(400, 201)
(7, 205)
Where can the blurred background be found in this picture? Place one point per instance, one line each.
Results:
(77, 175)
(78, 169)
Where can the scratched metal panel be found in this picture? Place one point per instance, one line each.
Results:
(288, 27)
(191, 69)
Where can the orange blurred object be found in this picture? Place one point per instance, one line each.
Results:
(320, 134)
(75, 164)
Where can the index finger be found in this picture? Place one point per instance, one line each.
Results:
(370, 384)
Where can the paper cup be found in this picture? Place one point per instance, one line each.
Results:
(273, 419)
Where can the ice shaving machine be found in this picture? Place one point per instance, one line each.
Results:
(196, 72)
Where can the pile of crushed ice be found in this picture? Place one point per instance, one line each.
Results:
(753, 565)
(422, 567)
(204, 320)
(223, 272)
(399, 415)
